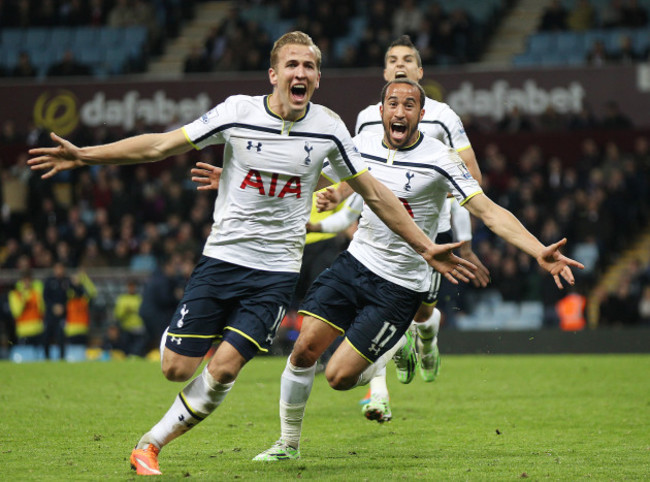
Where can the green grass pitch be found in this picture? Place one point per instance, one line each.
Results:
(555, 417)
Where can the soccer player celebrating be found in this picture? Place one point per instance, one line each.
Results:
(238, 293)
(402, 60)
(373, 289)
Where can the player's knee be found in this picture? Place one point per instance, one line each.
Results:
(339, 380)
(304, 354)
(224, 374)
(176, 373)
(423, 314)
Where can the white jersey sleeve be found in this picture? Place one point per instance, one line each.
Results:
(210, 127)
(369, 120)
(461, 224)
(441, 122)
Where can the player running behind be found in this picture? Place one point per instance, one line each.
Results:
(275, 147)
(373, 289)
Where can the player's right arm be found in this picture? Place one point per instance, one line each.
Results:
(132, 150)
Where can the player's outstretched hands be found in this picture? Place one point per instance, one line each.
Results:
(482, 273)
(452, 267)
(327, 199)
(557, 264)
(63, 157)
(207, 176)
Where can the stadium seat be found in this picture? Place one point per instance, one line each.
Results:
(61, 37)
(114, 60)
(570, 41)
(86, 35)
(36, 38)
(109, 36)
(134, 36)
(8, 57)
(541, 43)
(357, 27)
(11, 38)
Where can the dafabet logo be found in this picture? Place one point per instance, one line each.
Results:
(57, 111)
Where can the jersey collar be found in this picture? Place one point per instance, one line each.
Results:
(267, 99)
(407, 148)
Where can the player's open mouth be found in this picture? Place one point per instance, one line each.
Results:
(299, 92)
(400, 74)
(398, 130)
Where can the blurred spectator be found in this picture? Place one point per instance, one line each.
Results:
(98, 12)
(160, 297)
(55, 295)
(74, 13)
(77, 323)
(614, 118)
(584, 119)
(68, 66)
(24, 66)
(620, 308)
(554, 17)
(582, 17)
(132, 337)
(550, 120)
(123, 14)
(634, 15)
(611, 16)
(597, 54)
(626, 54)
(27, 308)
(571, 311)
(406, 19)
(515, 121)
(644, 306)
(196, 61)
(144, 259)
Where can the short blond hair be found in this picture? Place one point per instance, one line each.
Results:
(299, 38)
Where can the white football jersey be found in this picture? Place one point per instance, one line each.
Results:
(420, 175)
(270, 170)
(439, 121)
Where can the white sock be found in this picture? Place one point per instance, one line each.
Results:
(378, 387)
(428, 330)
(295, 387)
(195, 402)
(370, 372)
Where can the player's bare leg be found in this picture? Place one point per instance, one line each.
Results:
(192, 405)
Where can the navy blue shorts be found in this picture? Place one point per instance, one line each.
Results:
(436, 278)
(224, 301)
(372, 312)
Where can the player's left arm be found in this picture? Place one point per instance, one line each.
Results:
(503, 223)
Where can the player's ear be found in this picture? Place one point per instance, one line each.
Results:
(318, 80)
(420, 73)
(386, 76)
(273, 77)
(421, 113)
